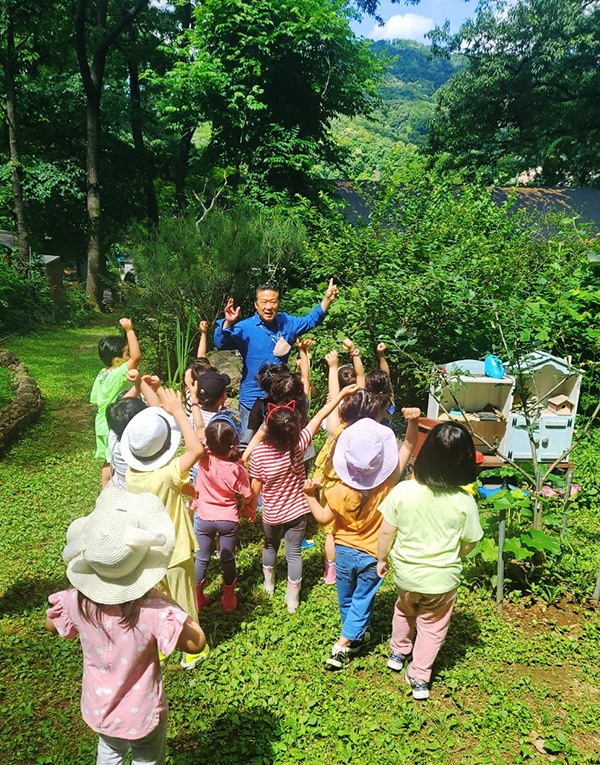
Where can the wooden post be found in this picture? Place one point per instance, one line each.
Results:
(500, 567)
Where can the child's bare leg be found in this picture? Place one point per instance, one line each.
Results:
(105, 474)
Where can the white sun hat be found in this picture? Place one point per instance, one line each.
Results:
(366, 454)
(121, 549)
(150, 440)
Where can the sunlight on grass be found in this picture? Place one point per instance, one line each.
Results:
(263, 696)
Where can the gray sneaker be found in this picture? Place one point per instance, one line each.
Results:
(397, 661)
(420, 689)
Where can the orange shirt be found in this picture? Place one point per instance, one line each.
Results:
(357, 518)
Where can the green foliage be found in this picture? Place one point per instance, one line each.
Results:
(270, 77)
(24, 299)
(526, 99)
(442, 271)
(262, 695)
(412, 76)
(190, 267)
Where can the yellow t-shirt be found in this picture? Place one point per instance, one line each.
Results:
(324, 470)
(357, 518)
(166, 483)
(431, 526)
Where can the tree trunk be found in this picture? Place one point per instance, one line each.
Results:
(95, 273)
(16, 168)
(93, 82)
(143, 155)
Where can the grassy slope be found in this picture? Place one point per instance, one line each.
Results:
(262, 696)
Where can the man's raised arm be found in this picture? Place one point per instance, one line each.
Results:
(222, 337)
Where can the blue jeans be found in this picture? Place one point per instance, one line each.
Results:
(357, 584)
(247, 434)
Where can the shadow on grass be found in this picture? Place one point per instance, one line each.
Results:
(29, 594)
(244, 736)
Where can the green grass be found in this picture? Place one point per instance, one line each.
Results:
(502, 682)
(5, 387)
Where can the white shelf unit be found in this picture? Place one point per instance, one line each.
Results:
(472, 392)
(547, 376)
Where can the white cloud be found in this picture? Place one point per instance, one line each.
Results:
(408, 26)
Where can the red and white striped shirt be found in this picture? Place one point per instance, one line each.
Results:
(282, 476)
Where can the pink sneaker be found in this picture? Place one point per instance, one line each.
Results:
(329, 575)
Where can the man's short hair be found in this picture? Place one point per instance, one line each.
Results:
(267, 287)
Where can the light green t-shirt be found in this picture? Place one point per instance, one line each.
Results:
(431, 526)
(108, 384)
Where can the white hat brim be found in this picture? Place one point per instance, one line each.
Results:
(152, 516)
(164, 457)
(388, 464)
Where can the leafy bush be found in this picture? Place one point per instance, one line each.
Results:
(24, 300)
(189, 268)
(442, 272)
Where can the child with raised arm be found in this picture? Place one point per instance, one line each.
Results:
(369, 464)
(277, 470)
(148, 446)
(119, 356)
(221, 481)
(115, 557)
(120, 413)
(429, 524)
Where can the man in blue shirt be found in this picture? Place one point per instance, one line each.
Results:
(267, 336)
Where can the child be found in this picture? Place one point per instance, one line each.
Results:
(120, 413)
(221, 479)
(115, 556)
(119, 357)
(212, 393)
(148, 446)
(276, 469)
(368, 462)
(195, 368)
(435, 523)
(379, 385)
(353, 408)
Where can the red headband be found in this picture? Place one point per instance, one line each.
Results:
(291, 406)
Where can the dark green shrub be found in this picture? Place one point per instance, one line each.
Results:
(24, 300)
(188, 269)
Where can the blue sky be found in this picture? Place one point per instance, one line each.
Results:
(412, 22)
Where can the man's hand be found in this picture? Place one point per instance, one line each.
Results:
(203, 326)
(332, 358)
(232, 313)
(330, 295)
(127, 324)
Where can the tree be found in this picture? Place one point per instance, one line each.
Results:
(269, 77)
(16, 44)
(96, 31)
(528, 97)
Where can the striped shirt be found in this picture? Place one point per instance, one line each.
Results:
(282, 477)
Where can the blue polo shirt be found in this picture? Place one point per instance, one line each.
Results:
(255, 341)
